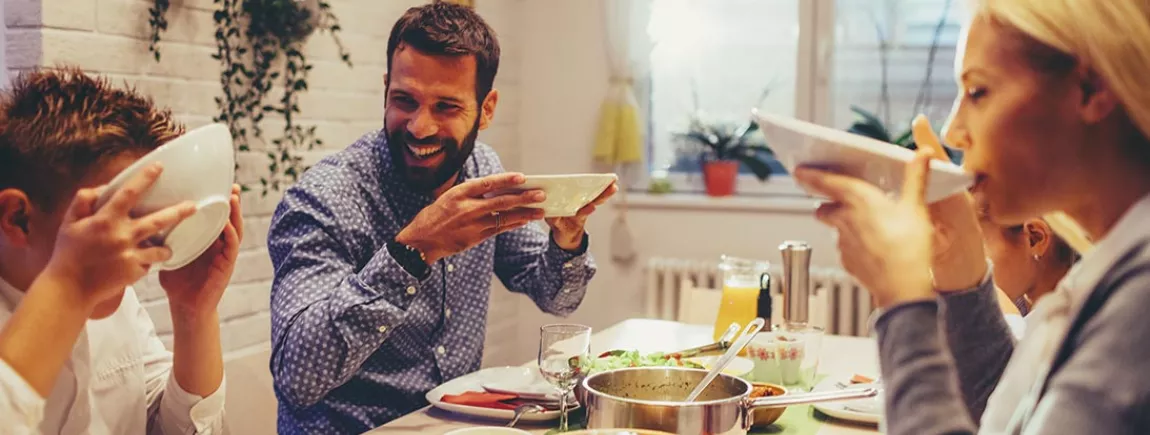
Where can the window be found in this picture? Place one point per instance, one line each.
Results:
(718, 58)
(910, 43)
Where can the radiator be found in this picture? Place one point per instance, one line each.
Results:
(838, 303)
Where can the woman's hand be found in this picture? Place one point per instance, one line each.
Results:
(883, 242)
(959, 260)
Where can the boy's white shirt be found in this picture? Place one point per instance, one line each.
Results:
(118, 381)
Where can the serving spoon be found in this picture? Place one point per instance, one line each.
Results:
(748, 333)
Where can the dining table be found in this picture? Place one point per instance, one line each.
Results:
(840, 357)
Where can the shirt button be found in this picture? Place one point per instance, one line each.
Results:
(383, 328)
(441, 350)
(411, 290)
(451, 268)
(567, 265)
(449, 313)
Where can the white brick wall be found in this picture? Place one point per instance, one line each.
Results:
(111, 37)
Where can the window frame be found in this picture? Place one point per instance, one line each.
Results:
(812, 97)
(815, 67)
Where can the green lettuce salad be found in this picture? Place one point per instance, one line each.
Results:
(633, 358)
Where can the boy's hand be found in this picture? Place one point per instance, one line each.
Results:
(195, 290)
(99, 252)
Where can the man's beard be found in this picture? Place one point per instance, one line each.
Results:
(428, 179)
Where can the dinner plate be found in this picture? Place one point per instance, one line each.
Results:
(475, 381)
(868, 410)
(797, 142)
(526, 385)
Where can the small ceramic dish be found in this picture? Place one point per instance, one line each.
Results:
(566, 194)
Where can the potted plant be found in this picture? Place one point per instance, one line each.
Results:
(870, 126)
(724, 147)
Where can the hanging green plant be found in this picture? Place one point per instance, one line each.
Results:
(157, 20)
(259, 44)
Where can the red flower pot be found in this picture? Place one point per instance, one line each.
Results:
(719, 177)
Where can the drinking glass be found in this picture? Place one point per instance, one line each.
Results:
(563, 348)
(797, 351)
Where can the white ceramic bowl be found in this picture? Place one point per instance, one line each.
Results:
(566, 194)
(198, 166)
(488, 430)
(798, 142)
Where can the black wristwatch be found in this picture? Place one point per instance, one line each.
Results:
(409, 258)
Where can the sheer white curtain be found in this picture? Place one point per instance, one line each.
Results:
(620, 139)
(621, 127)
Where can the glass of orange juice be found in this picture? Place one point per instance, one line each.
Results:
(742, 280)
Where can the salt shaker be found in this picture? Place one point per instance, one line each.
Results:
(796, 280)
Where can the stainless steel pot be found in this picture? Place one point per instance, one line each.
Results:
(652, 398)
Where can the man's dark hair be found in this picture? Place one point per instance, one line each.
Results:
(56, 125)
(443, 28)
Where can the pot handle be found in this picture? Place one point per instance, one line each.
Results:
(807, 398)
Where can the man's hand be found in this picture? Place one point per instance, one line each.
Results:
(568, 232)
(462, 217)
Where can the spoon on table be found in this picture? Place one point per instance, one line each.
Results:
(748, 333)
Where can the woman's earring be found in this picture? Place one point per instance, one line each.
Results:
(1037, 257)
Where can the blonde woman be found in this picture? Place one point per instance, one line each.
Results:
(1054, 114)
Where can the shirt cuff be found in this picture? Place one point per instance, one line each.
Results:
(582, 249)
(575, 271)
(385, 279)
(24, 405)
(202, 413)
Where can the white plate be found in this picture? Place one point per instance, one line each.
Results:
(488, 431)
(530, 385)
(868, 410)
(475, 382)
(739, 366)
(798, 143)
(566, 194)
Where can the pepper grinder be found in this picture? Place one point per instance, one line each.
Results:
(796, 282)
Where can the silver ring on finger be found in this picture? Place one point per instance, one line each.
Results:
(498, 220)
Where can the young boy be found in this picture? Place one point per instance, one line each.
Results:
(78, 354)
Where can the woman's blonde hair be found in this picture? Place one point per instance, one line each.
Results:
(1111, 37)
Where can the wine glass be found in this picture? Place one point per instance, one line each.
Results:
(563, 348)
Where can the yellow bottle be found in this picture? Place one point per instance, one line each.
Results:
(741, 284)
